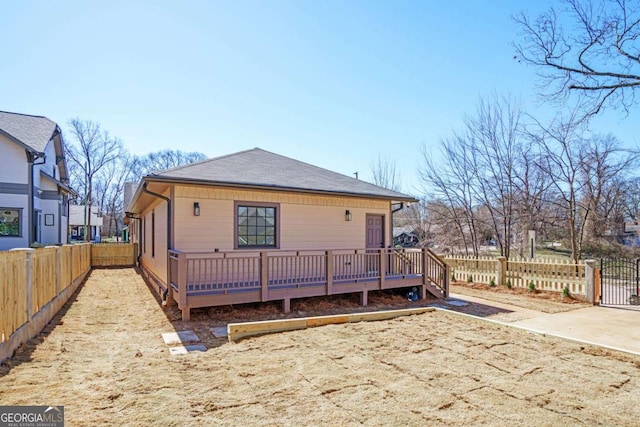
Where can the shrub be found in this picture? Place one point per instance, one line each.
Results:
(453, 276)
(508, 284)
(532, 287)
(469, 279)
(565, 292)
(492, 283)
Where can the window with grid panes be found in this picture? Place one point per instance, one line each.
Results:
(256, 226)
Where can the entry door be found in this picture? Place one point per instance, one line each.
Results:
(375, 231)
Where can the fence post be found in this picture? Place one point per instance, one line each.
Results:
(501, 270)
(590, 275)
(58, 277)
(29, 270)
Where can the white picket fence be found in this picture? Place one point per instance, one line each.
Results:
(546, 274)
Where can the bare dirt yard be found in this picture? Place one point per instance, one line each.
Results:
(544, 301)
(103, 358)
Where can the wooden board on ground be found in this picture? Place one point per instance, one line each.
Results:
(237, 331)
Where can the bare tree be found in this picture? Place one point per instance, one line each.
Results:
(449, 182)
(589, 48)
(586, 175)
(110, 189)
(91, 150)
(385, 174)
(631, 199)
(162, 160)
(604, 170)
(493, 136)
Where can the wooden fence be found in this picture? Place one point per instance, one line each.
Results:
(113, 254)
(546, 274)
(35, 284)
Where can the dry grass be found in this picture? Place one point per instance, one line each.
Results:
(106, 362)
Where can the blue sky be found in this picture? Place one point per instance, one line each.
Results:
(333, 83)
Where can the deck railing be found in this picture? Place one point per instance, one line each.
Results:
(223, 273)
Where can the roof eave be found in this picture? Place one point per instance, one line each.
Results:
(20, 143)
(176, 180)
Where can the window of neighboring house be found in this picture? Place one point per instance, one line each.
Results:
(64, 201)
(257, 225)
(10, 222)
(153, 233)
(143, 236)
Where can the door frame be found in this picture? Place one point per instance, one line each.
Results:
(366, 228)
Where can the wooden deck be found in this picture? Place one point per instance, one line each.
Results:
(207, 279)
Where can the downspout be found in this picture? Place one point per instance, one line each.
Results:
(30, 160)
(392, 212)
(169, 233)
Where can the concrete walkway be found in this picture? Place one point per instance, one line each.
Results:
(614, 328)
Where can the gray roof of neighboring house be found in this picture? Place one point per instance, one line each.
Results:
(33, 131)
(260, 168)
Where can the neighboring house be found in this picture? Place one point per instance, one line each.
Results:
(253, 204)
(79, 217)
(34, 182)
(405, 237)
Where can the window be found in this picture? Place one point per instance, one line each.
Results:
(143, 236)
(153, 233)
(10, 224)
(257, 225)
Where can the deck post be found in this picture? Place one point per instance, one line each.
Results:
(383, 267)
(286, 305)
(264, 276)
(423, 291)
(182, 286)
(425, 267)
(447, 279)
(329, 272)
(364, 297)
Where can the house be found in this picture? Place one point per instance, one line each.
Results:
(34, 183)
(78, 220)
(258, 226)
(405, 237)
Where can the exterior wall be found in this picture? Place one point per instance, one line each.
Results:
(13, 189)
(307, 221)
(46, 196)
(47, 199)
(156, 263)
(14, 162)
(16, 201)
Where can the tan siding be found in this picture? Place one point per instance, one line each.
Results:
(157, 263)
(306, 221)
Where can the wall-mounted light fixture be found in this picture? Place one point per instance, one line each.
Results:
(196, 209)
(347, 215)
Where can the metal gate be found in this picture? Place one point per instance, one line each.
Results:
(620, 281)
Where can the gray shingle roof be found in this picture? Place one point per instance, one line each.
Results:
(260, 168)
(33, 131)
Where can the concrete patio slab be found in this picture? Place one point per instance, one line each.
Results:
(220, 332)
(614, 328)
(184, 349)
(456, 302)
(181, 337)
